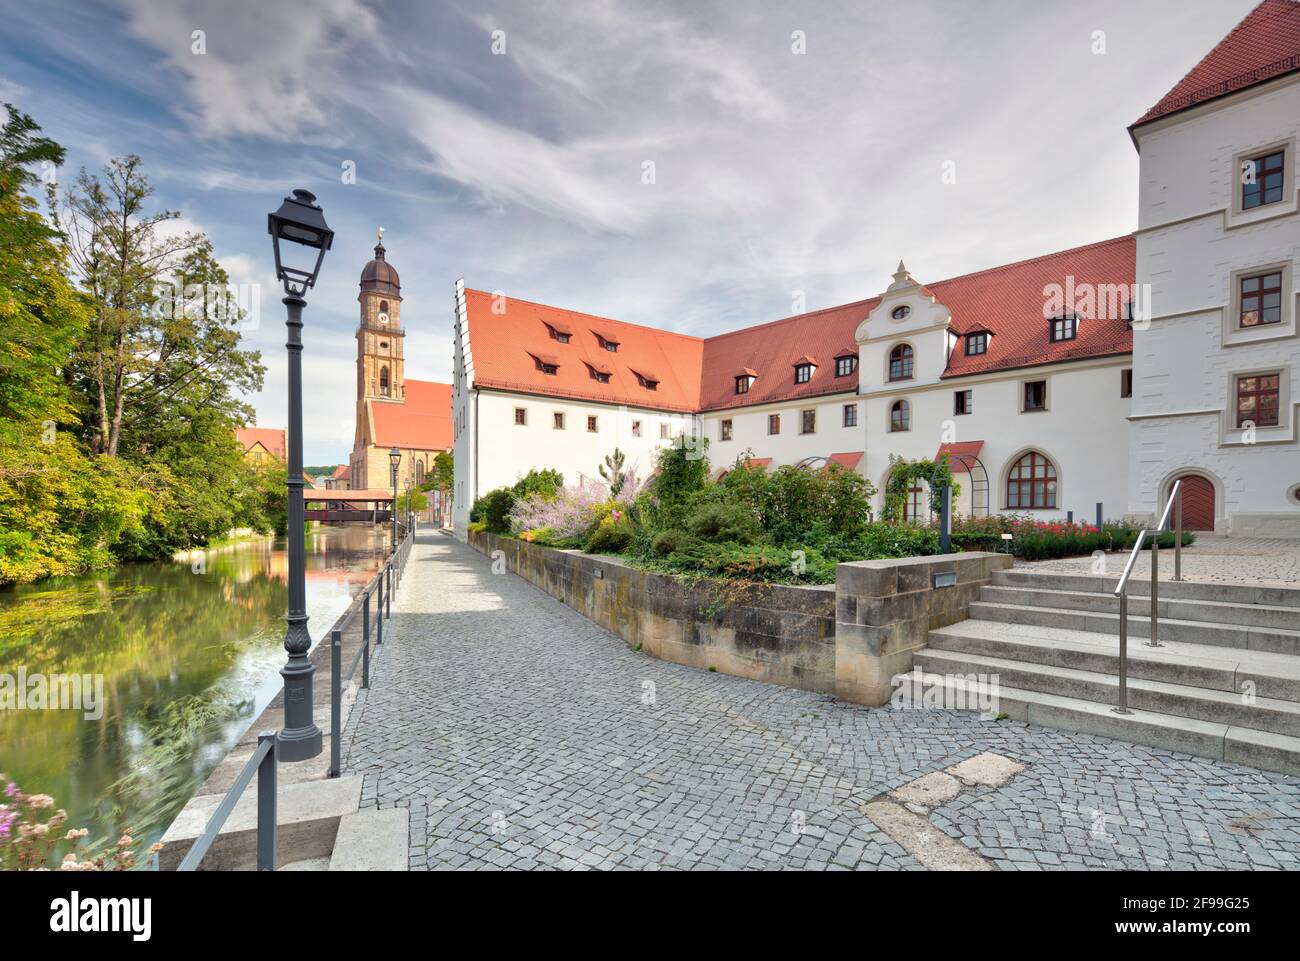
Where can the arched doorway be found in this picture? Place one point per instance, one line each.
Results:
(1198, 502)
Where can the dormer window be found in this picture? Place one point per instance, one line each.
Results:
(598, 375)
(803, 373)
(607, 344)
(845, 365)
(977, 343)
(646, 381)
(1065, 327)
(559, 332)
(901, 312)
(546, 364)
(745, 380)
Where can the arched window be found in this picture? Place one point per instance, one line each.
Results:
(383, 306)
(900, 416)
(383, 381)
(900, 363)
(1031, 483)
(419, 473)
(916, 509)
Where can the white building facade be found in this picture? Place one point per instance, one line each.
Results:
(1218, 241)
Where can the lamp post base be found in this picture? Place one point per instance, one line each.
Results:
(303, 740)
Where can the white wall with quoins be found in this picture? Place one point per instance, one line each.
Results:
(1192, 243)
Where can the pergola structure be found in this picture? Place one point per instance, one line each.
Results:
(362, 505)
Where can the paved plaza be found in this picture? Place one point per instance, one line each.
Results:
(520, 735)
(1226, 560)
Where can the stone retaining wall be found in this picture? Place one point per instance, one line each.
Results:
(847, 639)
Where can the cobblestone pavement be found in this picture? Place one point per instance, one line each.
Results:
(521, 735)
(1228, 560)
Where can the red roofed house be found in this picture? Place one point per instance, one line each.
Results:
(262, 445)
(1024, 374)
(392, 410)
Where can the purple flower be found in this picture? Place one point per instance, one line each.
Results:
(11, 790)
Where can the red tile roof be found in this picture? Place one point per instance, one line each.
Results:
(958, 449)
(1265, 45)
(700, 375)
(504, 344)
(342, 472)
(1010, 301)
(272, 438)
(849, 460)
(422, 422)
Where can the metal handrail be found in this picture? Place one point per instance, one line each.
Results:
(383, 583)
(1175, 504)
(263, 764)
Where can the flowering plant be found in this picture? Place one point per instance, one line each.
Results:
(30, 827)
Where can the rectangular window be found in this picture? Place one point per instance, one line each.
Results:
(521, 416)
(774, 423)
(963, 402)
(1261, 299)
(663, 431)
(1064, 328)
(636, 428)
(591, 424)
(1262, 179)
(742, 384)
(802, 373)
(558, 422)
(1126, 382)
(850, 415)
(1258, 400)
(977, 343)
(724, 430)
(808, 421)
(845, 366)
(1036, 395)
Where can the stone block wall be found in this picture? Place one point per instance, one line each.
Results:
(847, 639)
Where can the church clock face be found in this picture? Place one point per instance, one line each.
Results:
(383, 318)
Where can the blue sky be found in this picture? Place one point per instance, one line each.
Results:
(775, 173)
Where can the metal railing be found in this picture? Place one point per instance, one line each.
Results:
(381, 587)
(262, 763)
(1175, 504)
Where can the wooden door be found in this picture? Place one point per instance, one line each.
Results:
(1198, 503)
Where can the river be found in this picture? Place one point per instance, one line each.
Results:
(189, 652)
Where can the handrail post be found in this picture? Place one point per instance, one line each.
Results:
(389, 609)
(365, 615)
(1123, 655)
(1155, 591)
(336, 698)
(365, 665)
(266, 814)
(379, 615)
(1178, 532)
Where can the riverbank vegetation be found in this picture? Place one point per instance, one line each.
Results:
(790, 525)
(119, 398)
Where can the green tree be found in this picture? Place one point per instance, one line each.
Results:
(613, 473)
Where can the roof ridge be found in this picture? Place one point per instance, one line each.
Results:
(1033, 260)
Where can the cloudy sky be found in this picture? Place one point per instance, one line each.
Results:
(508, 143)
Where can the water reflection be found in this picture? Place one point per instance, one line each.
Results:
(189, 652)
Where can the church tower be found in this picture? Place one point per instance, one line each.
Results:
(381, 364)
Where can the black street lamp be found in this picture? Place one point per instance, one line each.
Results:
(410, 509)
(300, 221)
(394, 458)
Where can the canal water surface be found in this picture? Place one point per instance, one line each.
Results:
(189, 652)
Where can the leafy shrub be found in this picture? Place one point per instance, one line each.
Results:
(718, 522)
(546, 483)
(493, 509)
(671, 541)
(1045, 540)
(611, 535)
(683, 474)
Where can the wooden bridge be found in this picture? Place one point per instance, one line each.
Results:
(370, 506)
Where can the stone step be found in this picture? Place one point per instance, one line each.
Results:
(1141, 586)
(373, 839)
(1275, 640)
(1258, 749)
(1228, 669)
(307, 818)
(1202, 704)
(1214, 612)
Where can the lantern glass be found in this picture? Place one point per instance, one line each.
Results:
(300, 221)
